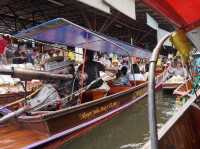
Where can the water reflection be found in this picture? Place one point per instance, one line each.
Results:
(128, 130)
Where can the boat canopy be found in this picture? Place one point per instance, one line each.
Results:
(183, 13)
(61, 31)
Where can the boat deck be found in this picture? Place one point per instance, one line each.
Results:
(14, 137)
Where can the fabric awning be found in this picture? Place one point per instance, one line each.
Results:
(183, 13)
(64, 32)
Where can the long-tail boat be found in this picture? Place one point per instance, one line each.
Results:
(182, 130)
(50, 129)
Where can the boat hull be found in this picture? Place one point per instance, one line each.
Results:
(57, 127)
(77, 120)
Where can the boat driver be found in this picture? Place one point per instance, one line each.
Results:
(92, 72)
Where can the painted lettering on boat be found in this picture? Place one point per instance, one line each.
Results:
(98, 110)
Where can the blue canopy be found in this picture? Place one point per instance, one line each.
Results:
(64, 32)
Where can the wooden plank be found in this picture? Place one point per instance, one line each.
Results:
(13, 136)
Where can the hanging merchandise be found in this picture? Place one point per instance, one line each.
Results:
(182, 44)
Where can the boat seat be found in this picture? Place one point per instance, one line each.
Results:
(118, 88)
(93, 94)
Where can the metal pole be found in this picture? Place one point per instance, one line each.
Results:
(151, 94)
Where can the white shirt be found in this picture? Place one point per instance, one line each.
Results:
(137, 76)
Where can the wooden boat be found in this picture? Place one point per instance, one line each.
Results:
(51, 129)
(183, 89)
(70, 122)
(14, 96)
(182, 130)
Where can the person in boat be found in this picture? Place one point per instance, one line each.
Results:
(91, 72)
(180, 70)
(20, 56)
(171, 66)
(141, 65)
(44, 57)
(104, 59)
(176, 70)
(122, 77)
(173, 69)
(136, 75)
(146, 70)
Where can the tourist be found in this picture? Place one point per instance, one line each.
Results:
(122, 77)
(180, 70)
(44, 57)
(136, 74)
(175, 70)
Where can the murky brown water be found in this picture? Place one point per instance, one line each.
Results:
(128, 130)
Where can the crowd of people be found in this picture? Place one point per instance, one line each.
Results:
(121, 68)
(95, 65)
(176, 70)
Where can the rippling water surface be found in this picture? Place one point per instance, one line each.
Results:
(128, 130)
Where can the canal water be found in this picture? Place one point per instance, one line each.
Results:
(128, 130)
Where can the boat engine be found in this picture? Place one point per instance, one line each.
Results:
(46, 97)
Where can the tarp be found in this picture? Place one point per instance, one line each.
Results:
(183, 13)
(64, 32)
